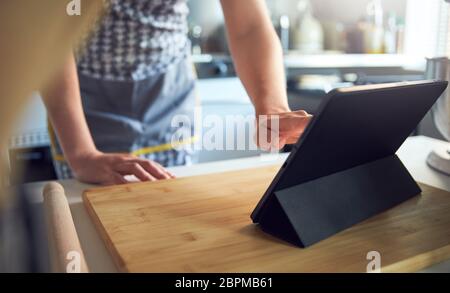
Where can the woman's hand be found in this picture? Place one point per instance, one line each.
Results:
(289, 129)
(110, 169)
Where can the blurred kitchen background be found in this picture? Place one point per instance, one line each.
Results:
(327, 44)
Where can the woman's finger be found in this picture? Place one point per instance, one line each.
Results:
(133, 168)
(114, 179)
(172, 176)
(118, 179)
(154, 169)
(292, 139)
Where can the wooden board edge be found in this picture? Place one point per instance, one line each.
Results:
(110, 247)
(419, 262)
(134, 184)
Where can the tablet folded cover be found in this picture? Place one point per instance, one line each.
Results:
(312, 211)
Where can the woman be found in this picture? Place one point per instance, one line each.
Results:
(135, 75)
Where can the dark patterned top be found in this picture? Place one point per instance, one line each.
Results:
(137, 39)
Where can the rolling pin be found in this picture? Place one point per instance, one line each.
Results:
(62, 233)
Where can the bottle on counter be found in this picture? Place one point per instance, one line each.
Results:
(390, 34)
(284, 32)
(308, 32)
(195, 35)
(282, 25)
(394, 34)
(400, 36)
(335, 36)
(354, 35)
(374, 28)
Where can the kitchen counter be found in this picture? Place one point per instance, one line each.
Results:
(294, 60)
(413, 153)
(339, 61)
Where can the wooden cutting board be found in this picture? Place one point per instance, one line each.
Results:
(202, 224)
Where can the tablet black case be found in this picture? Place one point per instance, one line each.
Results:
(318, 194)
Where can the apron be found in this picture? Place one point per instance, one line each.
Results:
(135, 116)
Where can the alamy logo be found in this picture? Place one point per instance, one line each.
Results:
(74, 8)
(374, 265)
(74, 264)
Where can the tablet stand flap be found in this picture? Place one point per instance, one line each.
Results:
(310, 212)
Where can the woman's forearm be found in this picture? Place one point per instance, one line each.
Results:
(63, 102)
(257, 54)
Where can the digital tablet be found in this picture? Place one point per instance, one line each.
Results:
(355, 126)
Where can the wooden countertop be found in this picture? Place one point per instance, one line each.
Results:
(412, 153)
(202, 224)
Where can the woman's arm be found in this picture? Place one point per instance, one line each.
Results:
(65, 112)
(63, 102)
(257, 54)
(258, 58)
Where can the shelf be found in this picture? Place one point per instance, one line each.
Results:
(335, 61)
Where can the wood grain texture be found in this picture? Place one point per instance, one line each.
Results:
(202, 224)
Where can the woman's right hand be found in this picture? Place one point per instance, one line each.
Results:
(110, 169)
(63, 102)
